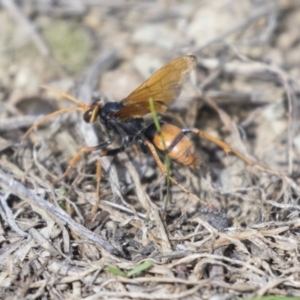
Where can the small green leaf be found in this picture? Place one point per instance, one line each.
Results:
(154, 115)
(63, 192)
(94, 179)
(116, 271)
(167, 158)
(140, 268)
(62, 204)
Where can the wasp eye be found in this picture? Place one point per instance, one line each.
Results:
(87, 116)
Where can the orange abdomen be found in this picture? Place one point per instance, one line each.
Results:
(177, 145)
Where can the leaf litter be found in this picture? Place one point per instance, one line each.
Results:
(244, 91)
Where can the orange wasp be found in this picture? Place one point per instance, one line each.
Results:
(125, 118)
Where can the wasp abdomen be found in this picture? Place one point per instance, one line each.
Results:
(173, 141)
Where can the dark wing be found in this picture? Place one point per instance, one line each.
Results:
(162, 87)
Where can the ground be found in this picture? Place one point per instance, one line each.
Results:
(233, 232)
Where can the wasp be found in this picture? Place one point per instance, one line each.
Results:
(125, 118)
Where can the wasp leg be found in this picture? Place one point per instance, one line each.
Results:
(164, 171)
(97, 201)
(229, 149)
(108, 152)
(75, 158)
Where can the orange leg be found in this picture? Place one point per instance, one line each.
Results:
(79, 153)
(97, 202)
(108, 152)
(98, 172)
(74, 160)
(229, 149)
(164, 171)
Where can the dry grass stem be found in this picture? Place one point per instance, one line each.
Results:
(230, 229)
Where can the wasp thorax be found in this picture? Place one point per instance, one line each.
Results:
(109, 109)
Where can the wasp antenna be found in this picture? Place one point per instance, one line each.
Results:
(64, 95)
(49, 116)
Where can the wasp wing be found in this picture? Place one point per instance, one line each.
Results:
(162, 87)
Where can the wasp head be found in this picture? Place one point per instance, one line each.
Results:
(91, 112)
